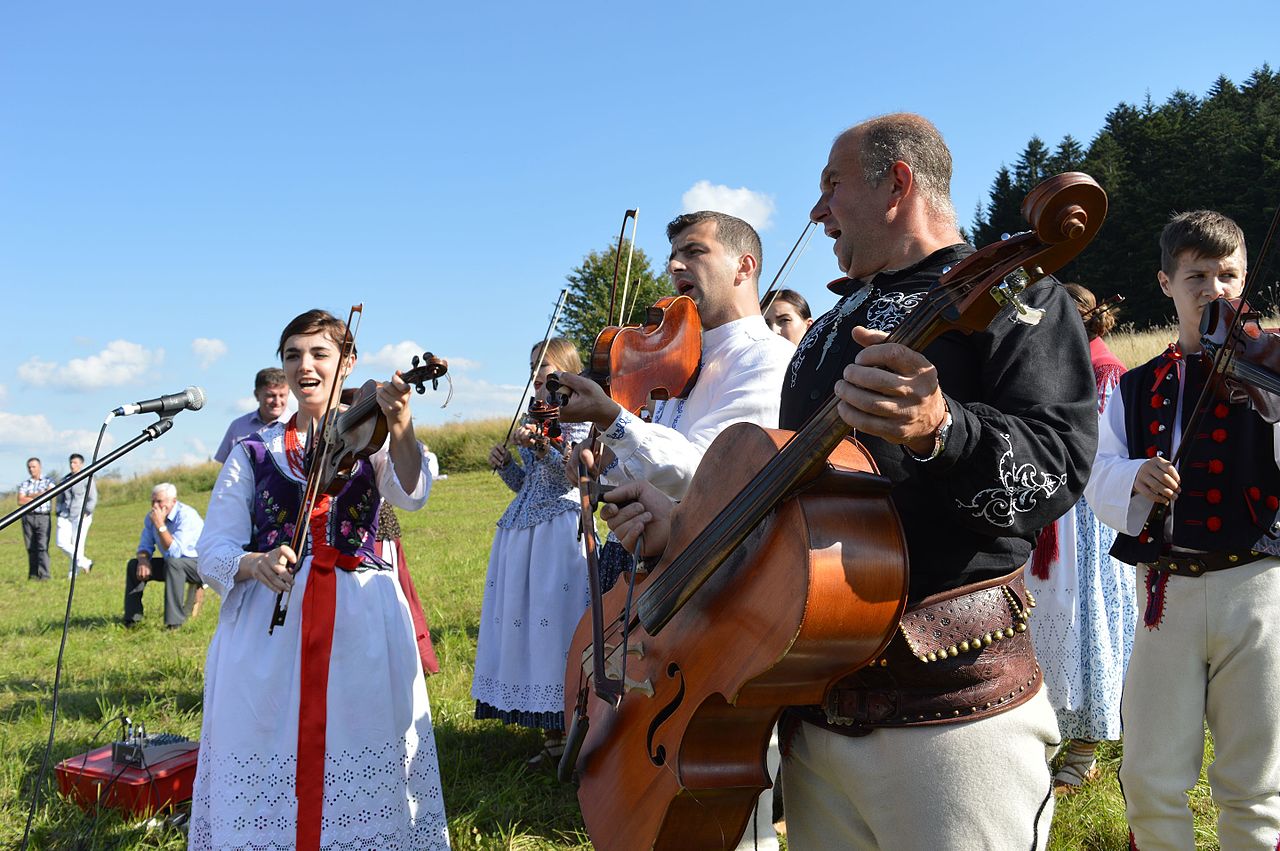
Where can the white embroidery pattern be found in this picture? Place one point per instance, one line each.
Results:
(831, 318)
(1020, 488)
(886, 312)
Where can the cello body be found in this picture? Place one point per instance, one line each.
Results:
(812, 596)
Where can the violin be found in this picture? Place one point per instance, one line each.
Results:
(361, 429)
(657, 359)
(544, 419)
(785, 571)
(1251, 365)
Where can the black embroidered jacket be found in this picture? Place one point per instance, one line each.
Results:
(1025, 421)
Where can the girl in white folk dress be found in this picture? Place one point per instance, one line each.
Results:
(1083, 624)
(536, 589)
(318, 736)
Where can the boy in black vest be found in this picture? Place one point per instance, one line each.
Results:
(1208, 645)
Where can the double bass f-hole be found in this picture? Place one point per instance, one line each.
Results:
(658, 755)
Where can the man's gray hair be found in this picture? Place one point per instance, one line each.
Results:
(168, 489)
(914, 140)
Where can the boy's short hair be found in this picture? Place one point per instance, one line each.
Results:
(1203, 233)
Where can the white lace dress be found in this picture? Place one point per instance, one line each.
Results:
(381, 777)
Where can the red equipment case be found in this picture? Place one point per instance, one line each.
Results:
(94, 779)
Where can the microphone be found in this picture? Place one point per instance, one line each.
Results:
(190, 399)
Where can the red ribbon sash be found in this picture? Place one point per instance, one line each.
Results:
(318, 606)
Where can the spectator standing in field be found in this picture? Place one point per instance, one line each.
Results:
(1083, 625)
(35, 525)
(272, 392)
(80, 495)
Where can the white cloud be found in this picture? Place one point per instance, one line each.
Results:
(207, 350)
(121, 362)
(753, 207)
(393, 356)
(245, 404)
(32, 432)
(4, 394)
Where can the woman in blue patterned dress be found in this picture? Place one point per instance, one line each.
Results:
(536, 588)
(1083, 623)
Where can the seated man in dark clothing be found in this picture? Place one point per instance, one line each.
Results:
(172, 529)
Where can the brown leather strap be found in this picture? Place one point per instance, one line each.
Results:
(957, 656)
(1195, 564)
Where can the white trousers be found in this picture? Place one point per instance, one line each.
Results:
(760, 835)
(948, 787)
(66, 539)
(1215, 657)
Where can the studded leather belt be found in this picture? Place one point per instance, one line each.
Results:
(1196, 564)
(957, 656)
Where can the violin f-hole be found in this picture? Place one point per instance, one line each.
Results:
(658, 756)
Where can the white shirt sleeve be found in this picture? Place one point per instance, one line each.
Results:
(668, 457)
(389, 483)
(1109, 490)
(228, 524)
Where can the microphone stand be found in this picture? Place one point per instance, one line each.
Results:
(148, 434)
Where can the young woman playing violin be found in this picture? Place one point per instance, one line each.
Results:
(536, 588)
(318, 735)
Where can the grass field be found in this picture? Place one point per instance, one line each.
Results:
(493, 800)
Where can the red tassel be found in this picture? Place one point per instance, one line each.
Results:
(1046, 551)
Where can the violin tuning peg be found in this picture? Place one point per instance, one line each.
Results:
(435, 384)
(420, 387)
(416, 360)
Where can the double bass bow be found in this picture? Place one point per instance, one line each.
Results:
(785, 571)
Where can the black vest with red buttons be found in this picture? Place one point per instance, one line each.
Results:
(1230, 485)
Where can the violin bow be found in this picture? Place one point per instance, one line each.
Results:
(626, 278)
(775, 286)
(1221, 360)
(1103, 306)
(319, 448)
(542, 353)
(617, 261)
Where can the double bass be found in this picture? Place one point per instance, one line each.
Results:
(785, 571)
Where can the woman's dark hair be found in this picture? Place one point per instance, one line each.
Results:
(315, 321)
(792, 298)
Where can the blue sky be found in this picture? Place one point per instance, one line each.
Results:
(177, 180)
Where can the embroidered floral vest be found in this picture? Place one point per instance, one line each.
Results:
(352, 523)
(1230, 485)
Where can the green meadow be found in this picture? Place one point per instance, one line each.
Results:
(152, 675)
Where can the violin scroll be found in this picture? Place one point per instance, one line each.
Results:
(424, 369)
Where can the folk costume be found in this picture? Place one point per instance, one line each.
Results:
(1207, 594)
(942, 743)
(391, 550)
(319, 735)
(535, 593)
(1083, 623)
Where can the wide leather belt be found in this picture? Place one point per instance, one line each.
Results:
(1195, 564)
(957, 656)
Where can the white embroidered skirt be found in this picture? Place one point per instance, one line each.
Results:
(382, 780)
(535, 594)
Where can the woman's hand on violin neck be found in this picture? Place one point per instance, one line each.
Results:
(587, 402)
(525, 436)
(270, 568)
(891, 391)
(393, 399)
(635, 509)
